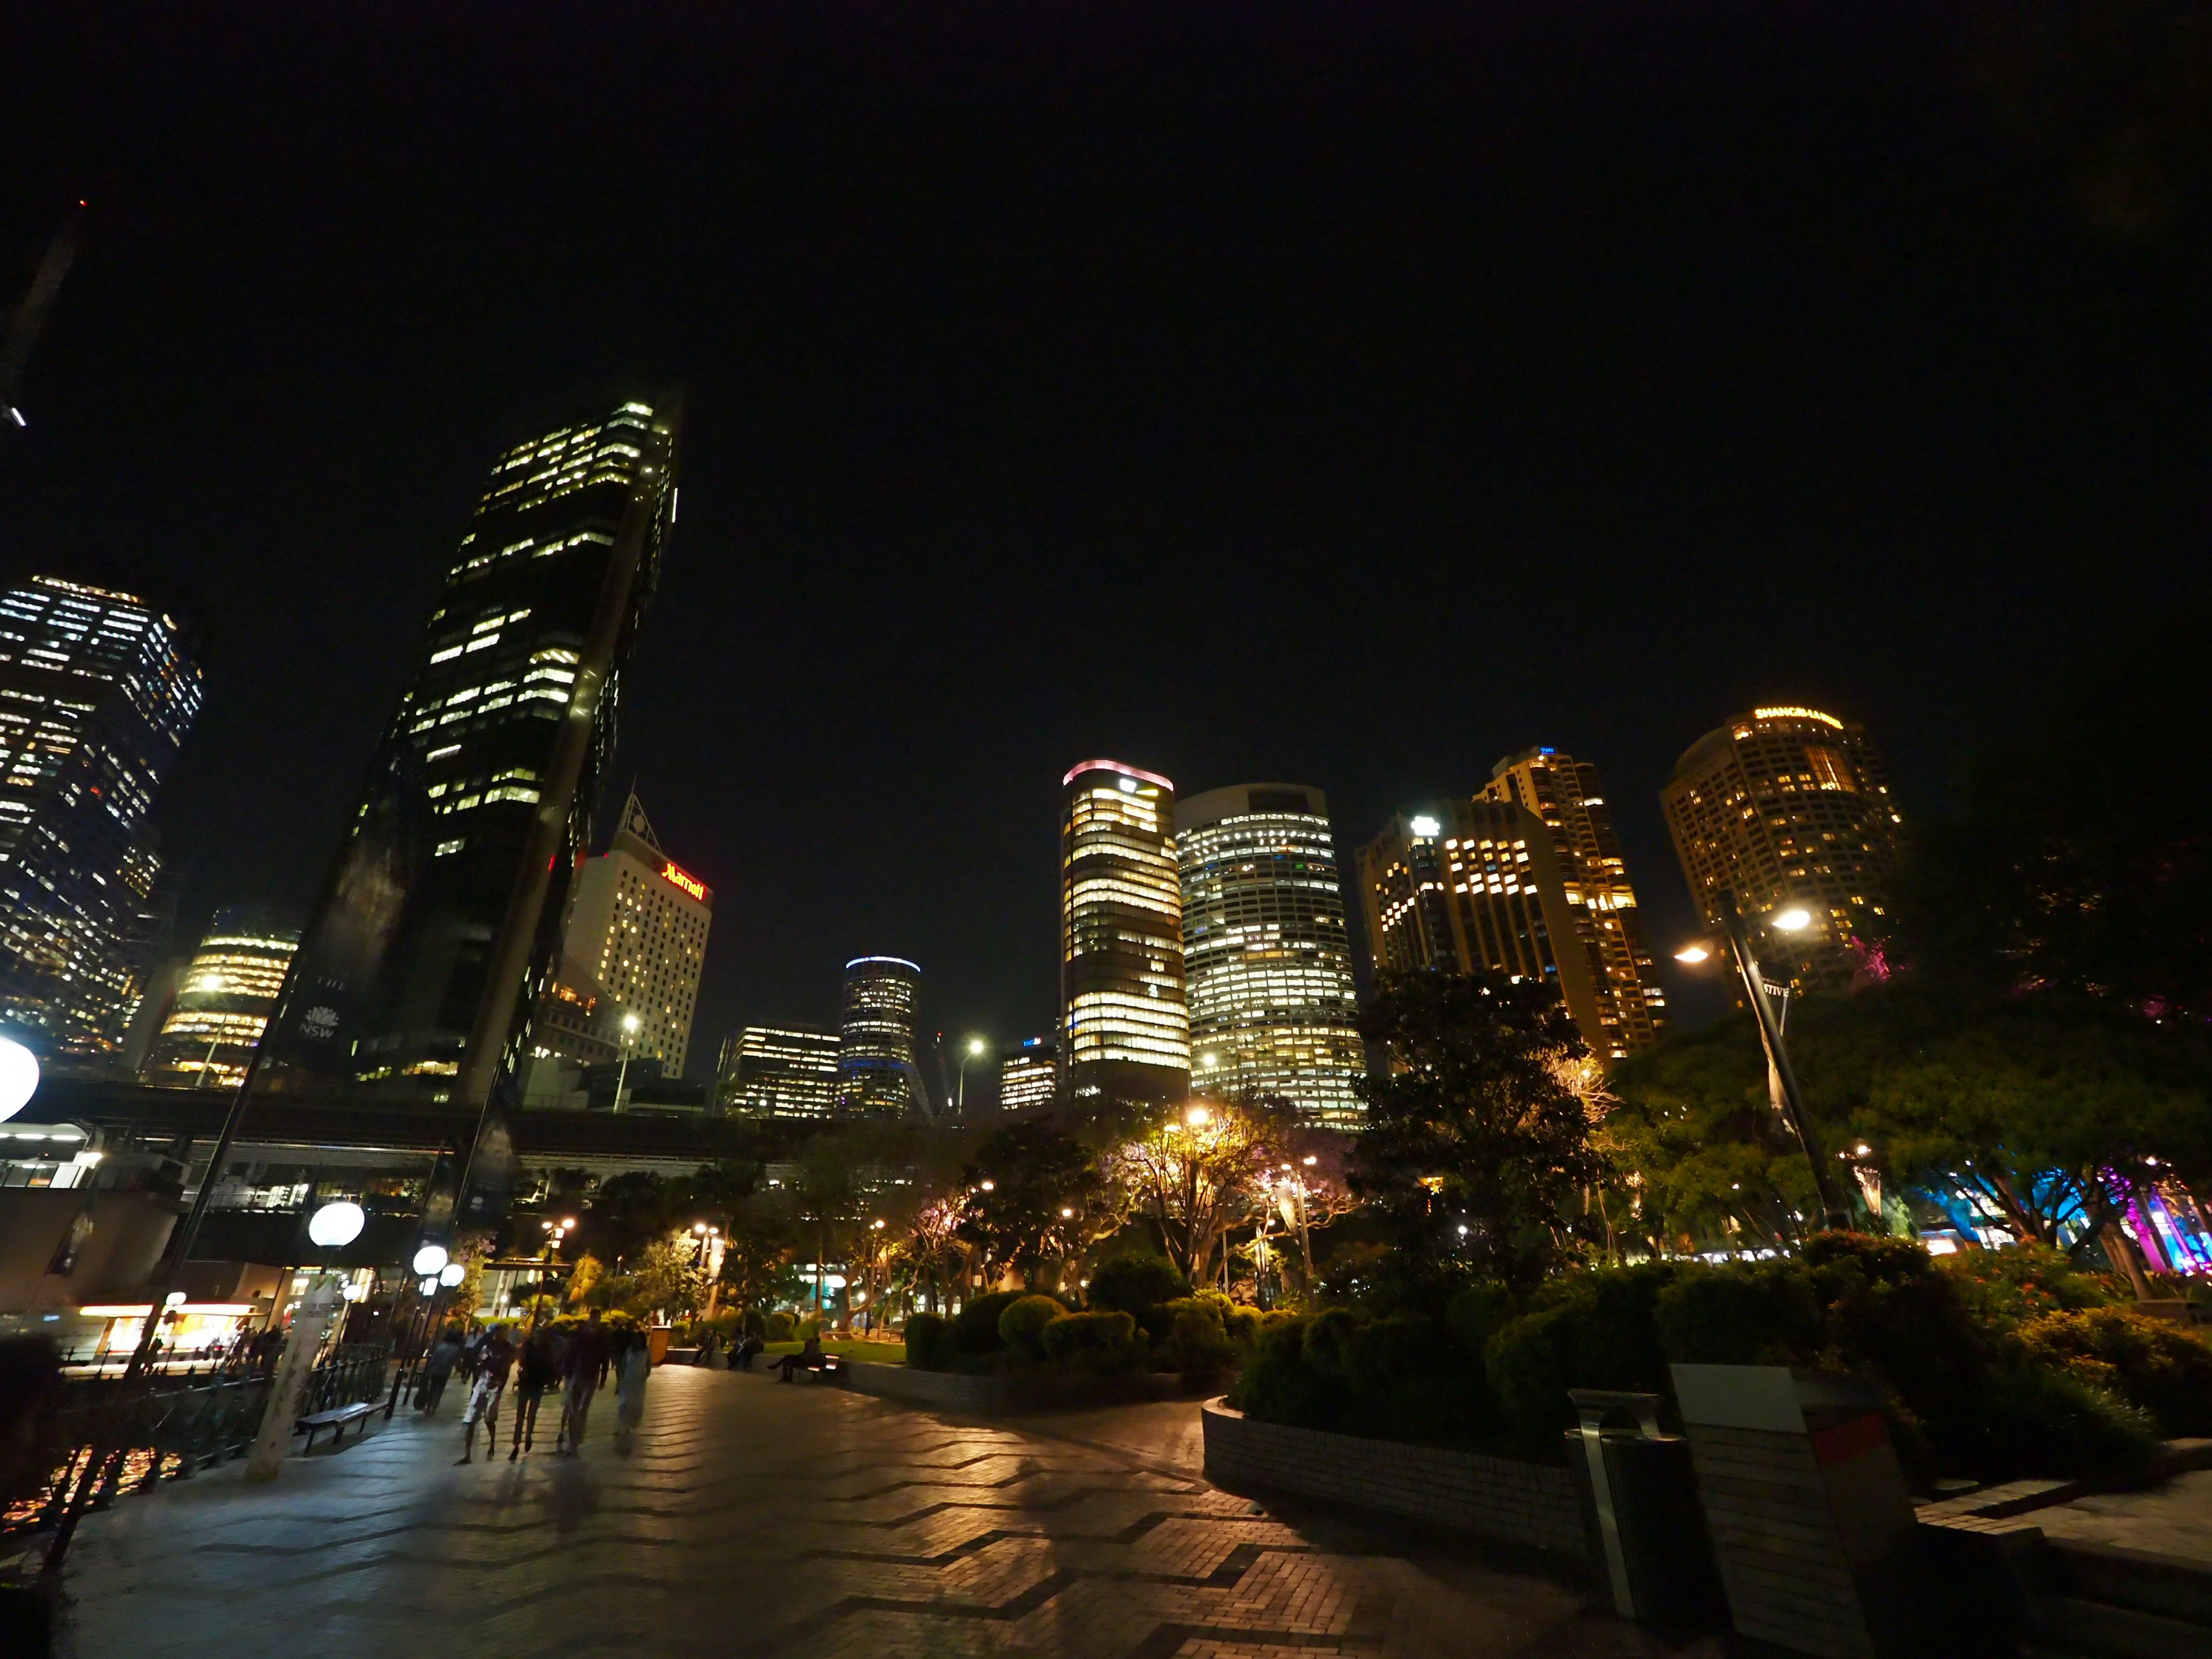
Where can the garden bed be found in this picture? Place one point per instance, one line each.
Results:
(987, 1395)
(1504, 1499)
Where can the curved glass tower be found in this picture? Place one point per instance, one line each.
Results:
(1269, 969)
(876, 1073)
(1124, 1033)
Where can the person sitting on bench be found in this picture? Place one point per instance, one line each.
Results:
(808, 1358)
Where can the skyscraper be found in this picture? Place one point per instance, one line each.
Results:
(1125, 1031)
(876, 1073)
(1565, 793)
(442, 921)
(1783, 806)
(1028, 1077)
(1476, 887)
(782, 1071)
(1273, 1009)
(97, 692)
(222, 1002)
(636, 940)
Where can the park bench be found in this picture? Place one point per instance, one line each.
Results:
(335, 1420)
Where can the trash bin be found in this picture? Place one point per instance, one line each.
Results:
(1639, 1493)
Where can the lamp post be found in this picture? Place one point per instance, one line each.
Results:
(630, 1024)
(1792, 919)
(973, 1051)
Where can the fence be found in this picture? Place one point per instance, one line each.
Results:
(178, 1427)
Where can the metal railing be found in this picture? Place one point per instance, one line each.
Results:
(178, 1427)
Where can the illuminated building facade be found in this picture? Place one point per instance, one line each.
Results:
(1125, 1029)
(1476, 887)
(636, 941)
(877, 1076)
(422, 972)
(1273, 1009)
(1789, 806)
(1565, 793)
(781, 1071)
(224, 1002)
(1028, 1077)
(97, 692)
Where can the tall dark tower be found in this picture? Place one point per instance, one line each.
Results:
(441, 922)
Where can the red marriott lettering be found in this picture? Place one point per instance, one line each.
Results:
(690, 884)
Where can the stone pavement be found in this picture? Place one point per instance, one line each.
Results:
(2172, 1519)
(756, 1517)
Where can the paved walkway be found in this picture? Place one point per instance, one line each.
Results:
(2172, 1519)
(757, 1518)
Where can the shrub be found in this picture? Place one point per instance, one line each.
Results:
(1132, 1284)
(1593, 1330)
(780, 1326)
(929, 1343)
(975, 1326)
(1400, 1378)
(1022, 1323)
(2023, 1282)
(2159, 1367)
(2029, 1420)
(1757, 1314)
(755, 1323)
(1241, 1325)
(1105, 1341)
(1194, 1338)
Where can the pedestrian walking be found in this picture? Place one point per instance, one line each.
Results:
(585, 1368)
(494, 1362)
(444, 1354)
(633, 1365)
(535, 1370)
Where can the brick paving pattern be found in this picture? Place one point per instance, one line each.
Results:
(755, 1516)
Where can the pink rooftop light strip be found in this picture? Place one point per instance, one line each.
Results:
(1075, 772)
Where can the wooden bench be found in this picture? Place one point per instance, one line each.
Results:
(335, 1420)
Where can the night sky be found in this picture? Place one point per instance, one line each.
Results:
(1343, 394)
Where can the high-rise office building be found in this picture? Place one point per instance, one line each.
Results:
(1273, 1009)
(222, 1002)
(780, 1071)
(1789, 806)
(442, 925)
(1565, 793)
(97, 692)
(1476, 887)
(1124, 1028)
(877, 1076)
(1028, 1077)
(636, 940)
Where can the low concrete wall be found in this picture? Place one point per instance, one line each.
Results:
(997, 1397)
(1532, 1504)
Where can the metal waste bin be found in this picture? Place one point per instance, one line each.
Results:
(1640, 1508)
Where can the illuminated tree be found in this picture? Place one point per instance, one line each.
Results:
(1035, 1199)
(1200, 1172)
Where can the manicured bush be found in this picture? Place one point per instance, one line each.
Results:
(929, 1343)
(1404, 1378)
(2159, 1367)
(780, 1326)
(1103, 1342)
(755, 1323)
(2023, 1282)
(1022, 1323)
(975, 1326)
(1591, 1330)
(1132, 1284)
(1194, 1338)
(1758, 1314)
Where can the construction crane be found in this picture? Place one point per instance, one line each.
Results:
(31, 316)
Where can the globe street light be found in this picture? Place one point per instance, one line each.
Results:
(335, 1224)
(429, 1261)
(18, 1076)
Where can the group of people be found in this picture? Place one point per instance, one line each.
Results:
(579, 1363)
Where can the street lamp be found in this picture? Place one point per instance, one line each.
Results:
(973, 1051)
(1792, 919)
(630, 1024)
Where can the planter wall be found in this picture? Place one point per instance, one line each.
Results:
(996, 1396)
(1531, 1504)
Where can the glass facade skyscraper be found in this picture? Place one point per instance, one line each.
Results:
(441, 923)
(97, 692)
(877, 1076)
(222, 1002)
(1125, 1030)
(1788, 805)
(781, 1071)
(1272, 1008)
(1565, 793)
(1028, 1077)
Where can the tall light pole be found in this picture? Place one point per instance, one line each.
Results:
(630, 1024)
(1792, 919)
(974, 1049)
